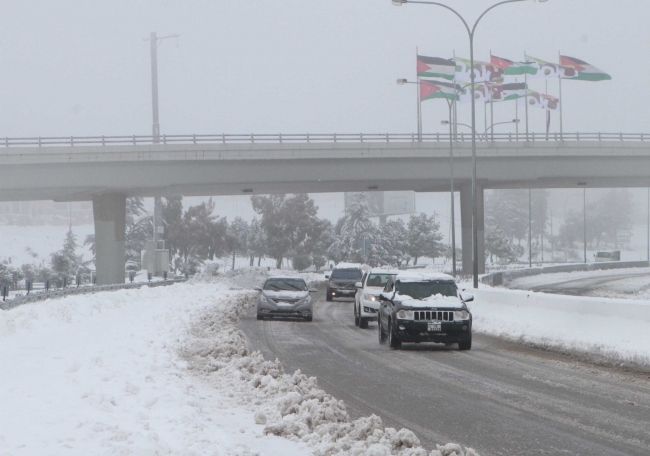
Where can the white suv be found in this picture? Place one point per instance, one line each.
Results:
(366, 300)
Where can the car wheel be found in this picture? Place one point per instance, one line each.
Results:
(466, 344)
(259, 317)
(393, 339)
(328, 295)
(356, 315)
(381, 333)
(309, 318)
(363, 323)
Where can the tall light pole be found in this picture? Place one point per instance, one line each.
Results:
(471, 31)
(154, 39)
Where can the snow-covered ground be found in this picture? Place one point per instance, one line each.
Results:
(167, 371)
(615, 330)
(626, 288)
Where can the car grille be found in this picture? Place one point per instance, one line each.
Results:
(288, 300)
(433, 315)
(344, 286)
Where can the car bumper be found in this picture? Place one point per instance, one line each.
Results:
(418, 331)
(302, 311)
(342, 292)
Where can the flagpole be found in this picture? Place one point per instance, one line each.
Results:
(491, 115)
(419, 99)
(561, 103)
(517, 114)
(548, 112)
(526, 99)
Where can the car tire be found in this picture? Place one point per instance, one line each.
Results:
(393, 339)
(357, 320)
(259, 317)
(309, 318)
(363, 323)
(381, 333)
(328, 295)
(465, 344)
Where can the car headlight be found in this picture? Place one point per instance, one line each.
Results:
(369, 297)
(461, 315)
(265, 299)
(405, 315)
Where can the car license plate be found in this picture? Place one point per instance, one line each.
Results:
(434, 326)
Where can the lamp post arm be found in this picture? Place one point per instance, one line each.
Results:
(469, 30)
(480, 18)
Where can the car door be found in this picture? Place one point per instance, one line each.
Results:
(384, 306)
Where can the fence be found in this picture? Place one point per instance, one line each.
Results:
(308, 138)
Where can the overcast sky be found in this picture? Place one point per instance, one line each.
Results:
(79, 67)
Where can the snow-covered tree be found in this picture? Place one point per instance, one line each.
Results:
(394, 238)
(256, 242)
(355, 233)
(424, 238)
(66, 263)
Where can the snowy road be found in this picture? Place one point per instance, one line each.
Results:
(501, 398)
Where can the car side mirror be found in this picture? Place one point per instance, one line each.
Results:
(313, 290)
(467, 297)
(327, 276)
(258, 289)
(358, 285)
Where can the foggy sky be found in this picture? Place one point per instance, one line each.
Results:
(76, 67)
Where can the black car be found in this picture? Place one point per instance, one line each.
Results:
(342, 282)
(424, 307)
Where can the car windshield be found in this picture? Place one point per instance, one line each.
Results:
(378, 280)
(347, 274)
(423, 290)
(285, 285)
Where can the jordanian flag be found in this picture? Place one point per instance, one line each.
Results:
(508, 92)
(510, 68)
(585, 71)
(430, 90)
(435, 67)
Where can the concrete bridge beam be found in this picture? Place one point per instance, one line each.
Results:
(109, 212)
(466, 224)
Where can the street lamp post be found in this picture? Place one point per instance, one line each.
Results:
(471, 31)
(154, 39)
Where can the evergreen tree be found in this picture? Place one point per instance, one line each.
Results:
(66, 264)
(355, 233)
(394, 239)
(424, 238)
(256, 242)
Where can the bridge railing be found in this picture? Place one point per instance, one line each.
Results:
(308, 138)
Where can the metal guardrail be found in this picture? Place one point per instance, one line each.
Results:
(308, 138)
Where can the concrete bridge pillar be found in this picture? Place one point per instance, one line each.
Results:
(110, 223)
(466, 223)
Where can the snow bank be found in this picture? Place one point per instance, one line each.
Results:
(611, 329)
(101, 374)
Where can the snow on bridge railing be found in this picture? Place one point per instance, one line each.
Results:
(316, 138)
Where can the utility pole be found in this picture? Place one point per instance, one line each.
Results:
(530, 228)
(154, 39)
(584, 221)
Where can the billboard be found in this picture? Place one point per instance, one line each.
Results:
(382, 204)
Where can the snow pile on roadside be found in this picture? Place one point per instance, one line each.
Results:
(600, 328)
(290, 405)
(101, 374)
(643, 282)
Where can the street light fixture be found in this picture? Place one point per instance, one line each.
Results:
(471, 31)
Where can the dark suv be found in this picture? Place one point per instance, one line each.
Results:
(424, 307)
(342, 282)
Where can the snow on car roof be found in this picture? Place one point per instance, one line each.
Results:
(422, 276)
(384, 271)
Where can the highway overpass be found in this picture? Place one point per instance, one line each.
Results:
(106, 170)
